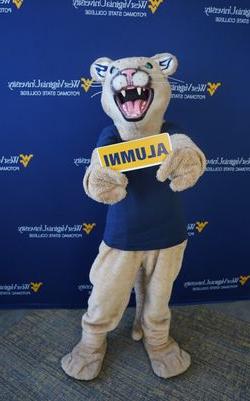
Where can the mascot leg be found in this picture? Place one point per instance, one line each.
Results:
(161, 269)
(113, 275)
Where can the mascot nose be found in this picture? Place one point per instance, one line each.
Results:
(129, 72)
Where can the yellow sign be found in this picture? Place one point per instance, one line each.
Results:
(139, 153)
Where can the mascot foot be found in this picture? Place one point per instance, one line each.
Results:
(84, 363)
(168, 360)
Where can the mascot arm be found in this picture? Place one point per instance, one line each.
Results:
(184, 166)
(103, 184)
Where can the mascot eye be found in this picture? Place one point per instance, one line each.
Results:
(149, 66)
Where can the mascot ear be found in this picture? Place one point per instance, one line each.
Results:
(99, 68)
(167, 63)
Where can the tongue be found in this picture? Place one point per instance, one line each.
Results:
(130, 107)
(133, 108)
(138, 106)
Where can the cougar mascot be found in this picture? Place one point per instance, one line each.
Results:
(145, 235)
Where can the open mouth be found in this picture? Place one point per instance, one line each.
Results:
(134, 102)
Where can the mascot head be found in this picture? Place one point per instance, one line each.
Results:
(135, 91)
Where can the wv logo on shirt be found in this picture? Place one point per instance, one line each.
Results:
(18, 3)
(154, 5)
(212, 87)
(25, 159)
(86, 83)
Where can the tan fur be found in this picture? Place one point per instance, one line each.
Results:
(91, 355)
(184, 166)
(151, 123)
(168, 360)
(114, 272)
(103, 184)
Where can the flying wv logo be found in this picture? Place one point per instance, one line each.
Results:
(154, 5)
(212, 87)
(244, 279)
(18, 3)
(35, 286)
(86, 83)
(200, 225)
(88, 227)
(25, 159)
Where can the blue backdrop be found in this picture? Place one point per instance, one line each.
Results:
(51, 117)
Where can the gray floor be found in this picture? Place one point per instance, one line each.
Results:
(216, 335)
(238, 310)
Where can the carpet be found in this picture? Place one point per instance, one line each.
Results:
(30, 353)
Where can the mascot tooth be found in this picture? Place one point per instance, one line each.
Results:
(145, 235)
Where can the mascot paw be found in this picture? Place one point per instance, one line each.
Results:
(183, 167)
(106, 185)
(168, 361)
(84, 363)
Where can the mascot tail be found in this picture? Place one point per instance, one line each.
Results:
(137, 332)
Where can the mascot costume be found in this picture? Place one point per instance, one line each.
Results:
(145, 235)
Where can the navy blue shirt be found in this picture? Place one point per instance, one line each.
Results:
(150, 216)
